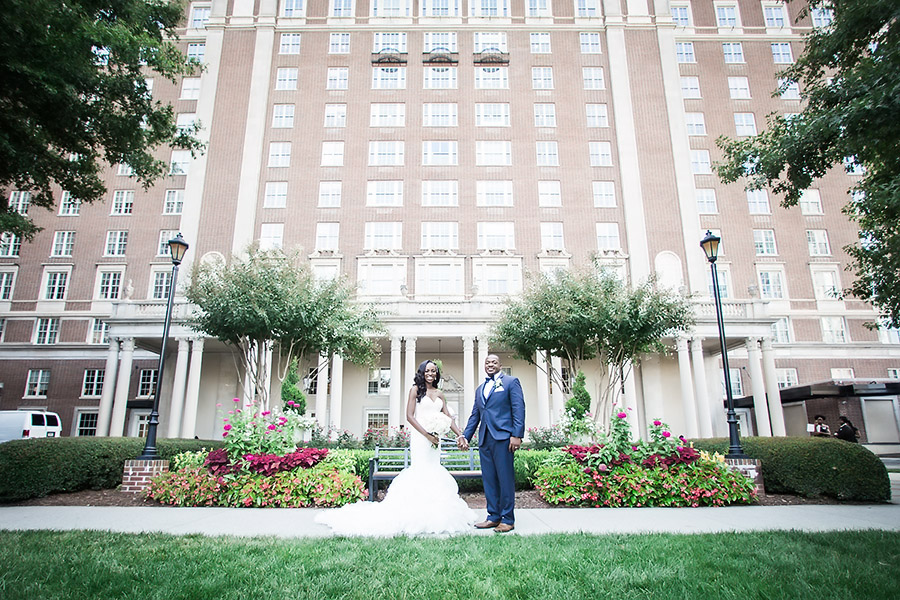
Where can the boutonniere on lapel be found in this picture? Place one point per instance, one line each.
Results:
(498, 385)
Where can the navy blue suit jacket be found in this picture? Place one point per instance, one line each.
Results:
(502, 414)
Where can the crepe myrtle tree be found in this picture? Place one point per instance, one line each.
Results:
(591, 314)
(75, 96)
(849, 77)
(267, 303)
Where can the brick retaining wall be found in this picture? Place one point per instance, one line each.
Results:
(138, 473)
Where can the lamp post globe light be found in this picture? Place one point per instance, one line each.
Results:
(177, 249)
(710, 245)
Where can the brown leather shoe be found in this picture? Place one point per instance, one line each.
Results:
(486, 524)
(504, 527)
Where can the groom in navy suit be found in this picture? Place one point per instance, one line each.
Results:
(500, 410)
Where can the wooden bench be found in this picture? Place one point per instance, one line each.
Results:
(388, 462)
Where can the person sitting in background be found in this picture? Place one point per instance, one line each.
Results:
(820, 427)
(846, 431)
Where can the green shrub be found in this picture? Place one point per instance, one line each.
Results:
(813, 467)
(35, 468)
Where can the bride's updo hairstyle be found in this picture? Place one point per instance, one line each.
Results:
(419, 379)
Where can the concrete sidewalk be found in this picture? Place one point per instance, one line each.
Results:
(298, 523)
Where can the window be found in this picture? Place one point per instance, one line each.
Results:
(587, 8)
(590, 42)
(38, 383)
(116, 242)
(758, 202)
(549, 193)
(834, 330)
(734, 52)
(339, 43)
(439, 115)
(826, 284)
(180, 162)
(540, 43)
(496, 235)
(604, 193)
(781, 330)
(690, 87)
(771, 284)
(275, 196)
(383, 235)
(110, 285)
(893, 373)
(493, 153)
(332, 154)
(738, 88)
(490, 40)
(811, 202)
(293, 8)
(19, 202)
(388, 78)
(283, 115)
(497, 278)
(608, 236)
(600, 154)
(185, 122)
(440, 40)
(329, 194)
(159, 285)
(491, 78)
(700, 163)
(69, 206)
(597, 115)
(494, 193)
(781, 53)
(706, 201)
(440, 193)
(440, 235)
(537, 8)
(46, 331)
(7, 280)
(124, 170)
(10, 244)
(774, 15)
(817, 241)
(190, 88)
(542, 78)
(790, 90)
(381, 278)
(338, 78)
(271, 235)
(545, 115)
(696, 124)
(547, 154)
(737, 386)
(440, 153)
(386, 153)
(63, 243)
(821, 17)
(56, 284)
(327, 237)
(492, 115)
(764, 242)
(853, 167)
(727, 15)
(340, 8)
(286, 79)
(92, 384)
(196, 51)
(99, 332)
(387, 115)
(744, 124)
(379, 383)
(440, 78)
(787, 377)
(123, 202)
(592, 77)
(384, 193)
(335, 115)
(290, 43)
(174, 202)
(279, 154)
(842, 373)
(681, 14)
(86, 423)
(684, 52)
(552, 236)
(390, 8)
(147, 383)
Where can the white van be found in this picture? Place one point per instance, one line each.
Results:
(24, 424)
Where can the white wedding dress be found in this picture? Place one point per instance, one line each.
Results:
(422, 499)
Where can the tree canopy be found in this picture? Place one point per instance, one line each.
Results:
(75, 95)
(849, 75)
(269, 301)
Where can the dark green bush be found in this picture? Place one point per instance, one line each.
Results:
(35, 468)
(813, 467)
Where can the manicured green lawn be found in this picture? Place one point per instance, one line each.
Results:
(91, 565)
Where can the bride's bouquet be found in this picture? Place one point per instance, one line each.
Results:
(437, 424)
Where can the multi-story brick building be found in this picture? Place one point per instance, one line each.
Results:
(436, 152)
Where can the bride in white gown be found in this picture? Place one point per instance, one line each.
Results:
(424, 497)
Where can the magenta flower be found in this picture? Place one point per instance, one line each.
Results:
(666, 434)
(227, 428)
(657, 423)
(272, 427)
(265, 413)
(622, 415)
(225, 434)
(236, 400)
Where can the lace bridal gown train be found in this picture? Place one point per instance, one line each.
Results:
(422, 499)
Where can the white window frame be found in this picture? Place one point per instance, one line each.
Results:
(608, 236)
(690, 88)
(491, 77)
(758, 202)
(440, 192)
(493, 114)
(739, 88)
(387, 114)
(764, 242)
(337, 78)
(383, 235)
(600, 154)
(700, 162)
(283, 116)
(335, 115)
(271, 236)
(817, 242)
(279, 155)
(116, 243)
(330, 193)
(440, 235)
(772, 284)
(382, 192)
(440, 114)
(496, 235)
(544, 114)
(549, 193)
(173, 204)
(389, 78)
(547, 153)
(440, 153)
(37, 383)
(494, 192)
(327, 236)
(332, 154)
(491, 153)
(286, 78)
(811, 202)
(593, 78)
(707, 203)
(604, 194)
(63, 244)
(834, 330)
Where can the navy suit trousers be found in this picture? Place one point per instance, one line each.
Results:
(499, 478)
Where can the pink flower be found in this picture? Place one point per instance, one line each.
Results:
(218, 405)
(272, 427)
(236, 400)
(265, 412)
(227, 427)
(225, 434)
(657, 423)
(622, 415)
(666, 434)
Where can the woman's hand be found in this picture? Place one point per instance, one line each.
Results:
(435, 440)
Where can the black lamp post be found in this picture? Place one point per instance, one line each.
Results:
(177, 248)
(710, 245)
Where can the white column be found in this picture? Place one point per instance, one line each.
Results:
(469, 380)
(543, 389)
(109, 388)
(192, 394)
(397, 387)
(688, 401)
(176, 407)
(703, 407)
(322, 392)
(773, 394)
(557, 398)
(631, 407)
(337, 390)
(482, 356)
(409, 374)
(123, 385)
(761, 408)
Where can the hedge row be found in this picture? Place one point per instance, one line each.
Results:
(813, 467)
(37, 467)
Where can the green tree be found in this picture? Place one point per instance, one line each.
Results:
(268, 302)
(291, 392)
(580, 402)
(74, 95)
(849, 75)
(584, 315)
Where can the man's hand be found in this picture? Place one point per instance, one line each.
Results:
(462, 443)
(514, 443)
